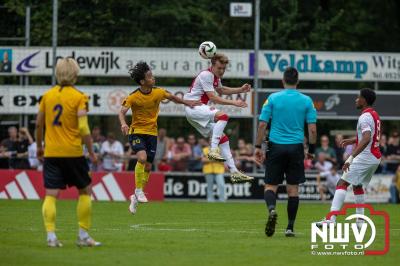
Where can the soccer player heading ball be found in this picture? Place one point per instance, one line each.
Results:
(142, 134)
(208, 120)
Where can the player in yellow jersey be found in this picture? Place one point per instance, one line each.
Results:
(63, 113)
(142, 134)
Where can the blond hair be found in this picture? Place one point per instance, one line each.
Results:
(223, 59)
(67, 71)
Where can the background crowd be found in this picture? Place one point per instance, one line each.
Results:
(187, 154)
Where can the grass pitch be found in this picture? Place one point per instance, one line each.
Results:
(174, 233)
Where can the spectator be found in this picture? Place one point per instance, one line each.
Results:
(195, 161)
(339, 150)
(3, 157)
(213, 171)
(326, 149)
(11, 145)
(112, 152)
(164, 166)
(181, 153)
(329, 186)
(383, 147)
(24, 140)
(163, 143)
(244, 156)
(393, 152)
(395, 187)
(97, 136)
(323, 165)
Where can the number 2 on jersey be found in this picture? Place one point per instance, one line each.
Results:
(58, 109)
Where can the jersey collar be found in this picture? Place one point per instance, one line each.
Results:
(369, 109)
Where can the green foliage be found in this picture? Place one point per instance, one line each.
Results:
(359, 25)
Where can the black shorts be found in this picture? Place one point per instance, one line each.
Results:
(144, 142)
(60, 172)
(285, 160)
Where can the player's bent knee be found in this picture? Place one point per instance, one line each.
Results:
(85, 191)
(221, 117)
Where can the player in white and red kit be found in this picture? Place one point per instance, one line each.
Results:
(365, 158)
(209, 121)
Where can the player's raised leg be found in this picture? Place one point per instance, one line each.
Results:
(236, 175)
(49, 217)
(221, 120)
(84, 213)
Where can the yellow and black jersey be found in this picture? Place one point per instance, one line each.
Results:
(60, 106)
(145, 108)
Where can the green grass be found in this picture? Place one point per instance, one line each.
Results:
(173, 233)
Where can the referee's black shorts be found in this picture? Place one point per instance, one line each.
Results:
(285, 160)
(60, 172)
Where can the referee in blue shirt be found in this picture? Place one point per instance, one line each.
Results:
(287, 112)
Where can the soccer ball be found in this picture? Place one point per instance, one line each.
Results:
(207, 50)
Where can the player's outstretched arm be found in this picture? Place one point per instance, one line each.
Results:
(219, 100)
(179, 100)
(228, 90)
(121, 115)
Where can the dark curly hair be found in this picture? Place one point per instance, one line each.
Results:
(369, 96)
(138, 71)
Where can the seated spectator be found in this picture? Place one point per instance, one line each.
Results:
(164, 166)
(11, 145)
(393, 152)
(323, 165)
(180, 153)
(244, 156)
(329, 186)
(24, 140)
(3, 157)
(395, 187)
(163, 143)
(112, 152)
(97, 136)
(195, 162)
(383, 148)
(329, 152)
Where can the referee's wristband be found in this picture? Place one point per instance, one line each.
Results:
(311, 148)
(257, 146)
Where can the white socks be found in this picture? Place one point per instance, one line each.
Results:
(359, 195)
(83, 233)
(337, 202)
(217, 132)
(227, 154)
(51, 236)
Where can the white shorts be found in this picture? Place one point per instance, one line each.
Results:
(202, 118)
(360, 172)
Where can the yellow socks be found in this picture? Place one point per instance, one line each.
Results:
(49, 213)
(139, 175)
(145, 178)
(84, 211)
